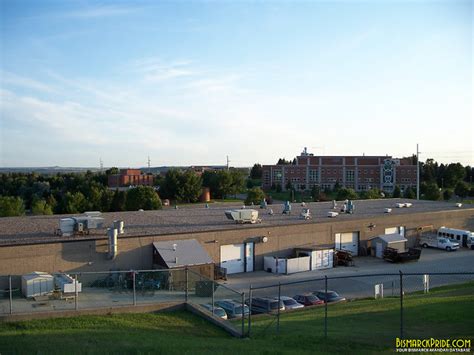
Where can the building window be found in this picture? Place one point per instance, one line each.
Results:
(349, 175)
(277, 175)
(313, 175)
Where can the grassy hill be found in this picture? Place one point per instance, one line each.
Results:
(365, 326)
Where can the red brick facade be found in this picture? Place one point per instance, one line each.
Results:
(130, 177)
(360, 173)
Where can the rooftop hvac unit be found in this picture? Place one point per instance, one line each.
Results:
(93, 213)
(66, 226)
(243, 216)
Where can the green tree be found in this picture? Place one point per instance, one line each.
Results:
(461, 189)
(171, 184)
(74, 202)
(118, 201)
(255, 195)
(396, 192)
(211, 180)
(142, 197)
(447, 194)
(106, 200)
(238, 181)
(409, 193)
(346, 194)
(190, 187)
(315, 193)
(225, 183)
(453, 174)
(41, 207)
(11, 206)
(431, 192)
(256, 171)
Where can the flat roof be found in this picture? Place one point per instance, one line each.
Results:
(197, 218)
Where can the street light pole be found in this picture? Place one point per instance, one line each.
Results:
(417, 173)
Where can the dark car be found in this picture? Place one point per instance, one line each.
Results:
(265, 305)
(329, 296)
(308, 299)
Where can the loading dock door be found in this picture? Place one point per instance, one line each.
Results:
(348, 242)
(233, 258)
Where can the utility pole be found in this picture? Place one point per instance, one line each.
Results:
(101, 164)
(228, 161)
(149, 163)
(417, 173)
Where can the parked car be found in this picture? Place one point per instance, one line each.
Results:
(308, 299)
(290, 303)
(329, 296)
(265, 305)
(232, 308)
(218, 311)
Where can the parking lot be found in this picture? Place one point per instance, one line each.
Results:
(355, 286)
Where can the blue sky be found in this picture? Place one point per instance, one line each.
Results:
(189, 82)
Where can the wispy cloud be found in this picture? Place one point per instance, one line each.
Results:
(7, 78)
(99, 11)
(156, 69)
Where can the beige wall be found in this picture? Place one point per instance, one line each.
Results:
(136, 252)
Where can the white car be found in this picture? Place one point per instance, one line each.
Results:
(290, 303)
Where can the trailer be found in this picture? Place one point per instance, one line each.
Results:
(395, 256)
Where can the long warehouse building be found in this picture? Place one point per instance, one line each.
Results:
(30, 244)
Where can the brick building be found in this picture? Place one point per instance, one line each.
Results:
(360, 173)
(128, 177)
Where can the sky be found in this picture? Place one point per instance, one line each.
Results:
(191, 82)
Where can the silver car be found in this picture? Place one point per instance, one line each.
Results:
(290, 303)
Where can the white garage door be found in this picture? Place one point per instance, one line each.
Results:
(391, 230)
(400, 230)
(233, 258)
(348, 242)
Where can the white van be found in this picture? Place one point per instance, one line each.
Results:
(463, 237)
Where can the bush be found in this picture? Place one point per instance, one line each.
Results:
(255, 195)
(396, 192)
(11, 206)
(461, 189)
(409, 193)
(346, 194)
(447, 194)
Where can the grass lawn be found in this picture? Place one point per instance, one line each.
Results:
(364, 326)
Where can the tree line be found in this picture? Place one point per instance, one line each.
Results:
(71, 193)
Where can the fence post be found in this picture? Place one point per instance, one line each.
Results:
(243, 314)
(186, 291)
(10, 291)
(278, 312)
(401, 304)
(326, 306)
(134, 288)
(76, 306)
(250, 310)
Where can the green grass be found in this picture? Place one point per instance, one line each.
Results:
(365, 326)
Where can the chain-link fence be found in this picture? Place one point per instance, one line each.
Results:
(41, 292)
(388, 306)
